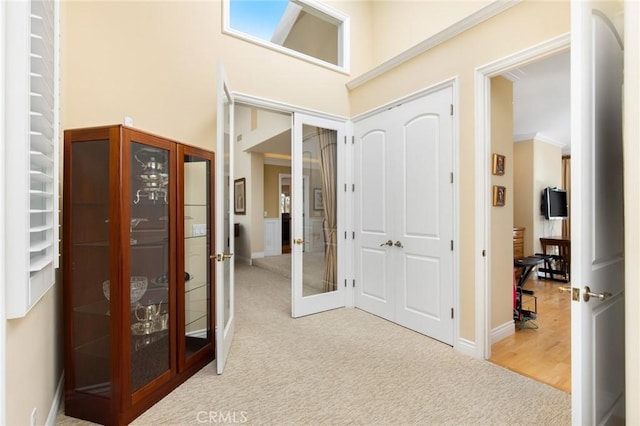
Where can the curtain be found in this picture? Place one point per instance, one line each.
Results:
(566, 185)
(328, 150)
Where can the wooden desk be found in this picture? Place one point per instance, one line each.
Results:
(557, 265)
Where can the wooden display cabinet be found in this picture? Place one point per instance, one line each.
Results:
(138, 273)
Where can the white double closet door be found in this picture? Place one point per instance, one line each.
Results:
(404, 214)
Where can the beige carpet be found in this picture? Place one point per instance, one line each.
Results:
(346, 367)
(312, 269)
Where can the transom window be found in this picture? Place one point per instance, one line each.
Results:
(302, 28)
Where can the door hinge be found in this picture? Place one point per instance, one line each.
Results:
(353, 187)
(451, 313)
(345, 139)
(451, 109)
(345, 235)
(345, 282)
(353, 235)
(484, 253)
(451, 177)
(451, 245)
(345, 187)
(353, 140)
(354, 284)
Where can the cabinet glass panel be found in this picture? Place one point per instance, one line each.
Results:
(90, 268)
(149, 264)
(197, 249)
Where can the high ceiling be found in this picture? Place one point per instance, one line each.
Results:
(541, 101)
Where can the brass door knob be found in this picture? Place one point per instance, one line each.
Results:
(299, 241)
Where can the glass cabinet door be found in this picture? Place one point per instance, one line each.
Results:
(88, 173)
(151, 279)
(195, 331)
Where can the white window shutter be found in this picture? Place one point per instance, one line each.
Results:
(31, 152)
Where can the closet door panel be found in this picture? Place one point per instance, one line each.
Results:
(424, 216)
(374, 199)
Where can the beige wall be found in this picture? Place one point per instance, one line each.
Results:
(34, 359)
(401, 24)
(539, 166)
(522, 26)
(157, 62)
(271, 205)
(502, 217)
(547, 165)
(524, 203)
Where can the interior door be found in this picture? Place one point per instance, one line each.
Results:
(225, 317)
(317, 150)
(404, 214)
(374, 253)
(423, 215)
(597, 313)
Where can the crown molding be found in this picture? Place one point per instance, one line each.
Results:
(539, 137)
(478, 17)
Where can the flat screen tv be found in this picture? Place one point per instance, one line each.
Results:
(554, 203)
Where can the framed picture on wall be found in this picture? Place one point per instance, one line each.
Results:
(498, 164)
(239, 196)
(318, 202)
(499, 195)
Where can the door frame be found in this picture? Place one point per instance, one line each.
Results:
(482, 101)
(281, 176)
(277, 106)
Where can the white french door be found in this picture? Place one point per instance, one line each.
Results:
(225, 306)
(404, 214)
(597, 309)
(317, 215)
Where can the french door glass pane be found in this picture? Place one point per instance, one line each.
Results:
(320, 215)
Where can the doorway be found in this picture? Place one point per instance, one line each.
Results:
(292, 174)
(284, 200)
(534, 135)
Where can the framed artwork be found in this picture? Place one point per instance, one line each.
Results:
(499, 195)
(318, 201)
(239, 196)
(498, 164)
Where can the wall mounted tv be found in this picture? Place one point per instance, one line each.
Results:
(554, 203)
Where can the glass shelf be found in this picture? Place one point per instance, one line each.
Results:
(193, 285)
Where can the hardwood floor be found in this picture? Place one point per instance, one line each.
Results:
(544, 354)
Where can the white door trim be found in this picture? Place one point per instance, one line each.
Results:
(482, 257)
(273, 105)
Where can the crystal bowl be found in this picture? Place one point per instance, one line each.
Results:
(138, 288)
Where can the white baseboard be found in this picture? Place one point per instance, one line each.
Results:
(467, 347)
(257, 255)
(55, 404)
(503, 331)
